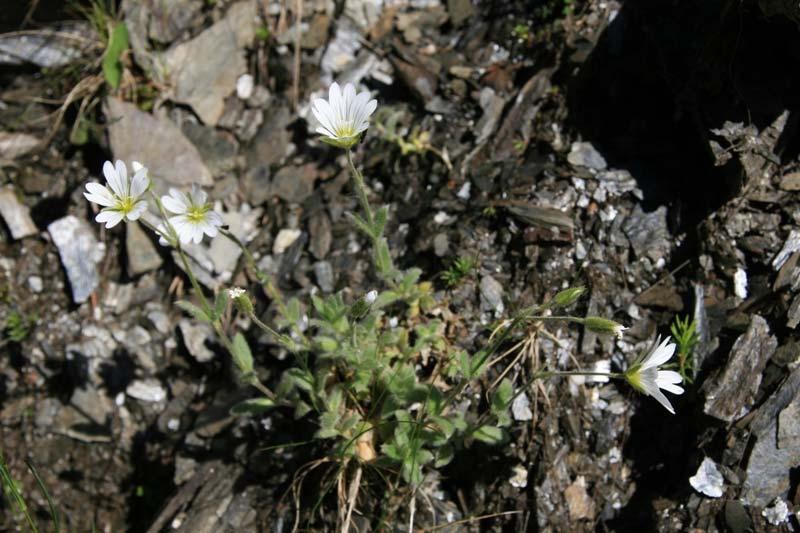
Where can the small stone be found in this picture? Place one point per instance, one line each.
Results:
(36, 284)
(321, 236)
(185, 468)
(16, 214)
(521, 408)
(790, 182)
(285, 239)
(244, 86)
(93, 404)
(142, 254)
(441, 244)
(708, 480)
(740, 283)
(195, 335)
(256, 184)
(579, 503)
(271, 143)
(583, 154)
(520, 477)
(648, 233)
(791, 246)
(491, 295)
(146, 390)
(776, 514)
(218, 148)
(14, 145)
(459, 11)
(294, 183)
(80, 252)
(324, 274)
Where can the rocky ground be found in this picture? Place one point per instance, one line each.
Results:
(647, 152)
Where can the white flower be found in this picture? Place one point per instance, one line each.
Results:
(235, 292)
(344, 116)
(645, 376)
(194, 215)
(123, 200)
(371, 296)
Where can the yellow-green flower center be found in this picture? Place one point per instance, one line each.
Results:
(125, 204)
(633, 377)
(197, 213)
(345, 130)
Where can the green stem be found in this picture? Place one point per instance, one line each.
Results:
(193, 280)
(361, 190)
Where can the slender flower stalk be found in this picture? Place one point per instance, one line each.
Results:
(122, 198)
(645, 376)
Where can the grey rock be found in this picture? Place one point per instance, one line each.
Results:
(137, 341)
(731, 394)
(248, 124)
(217, 148)
(583, 154)
(255, 184)
(170, 18)
(223, 252)
(93, 404)
(80, 252)
(618, 182)
(16, 214)
(441, 244)
(48, 48)
(285, 238)
(205, 84)
(791, 246)
(648, 233)
(459, 11)
(341, 50)
(14, 145)
(708, 480)
(321, 236)
(324, 274)
(142, 254)
(492, 106)
(155, 142)
(771, 461)
(35, 284)
(270, 145)
(195, 335)
(521, 408)
(491, 295)
(147, 390)
(185, 468)
(793, 314)
(294, 183)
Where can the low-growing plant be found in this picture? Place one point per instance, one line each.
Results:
(460, 268)
(684, 331)
(375, 372)
(18, 325)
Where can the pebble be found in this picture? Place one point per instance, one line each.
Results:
(324, 274)
(520, 477)
(491, 295)
(80, 252)
(146, 390)
(194, 338)
(708, 480)
(777, 514)
(521, 408)
(16, 215)
(285, 239)
(35, 283)
(244, 86)
(583, 154)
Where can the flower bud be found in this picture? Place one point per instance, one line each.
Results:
(603, 326)
(567, 297)
(361, 307)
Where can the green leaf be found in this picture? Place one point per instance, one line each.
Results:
(361, 224)
(444, 454)
(112, 63)
(193, 310)
(221, 303)
(502, 397)
(380, 220)
(253, 406)
(383, 258)
(242, 355)
(300, 379)
(326, 344)
(488, 434)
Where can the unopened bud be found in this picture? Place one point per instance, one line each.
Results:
(567, 297)
(603, 326)
(361, 307)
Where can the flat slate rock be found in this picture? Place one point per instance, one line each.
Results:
(80, 252)
(155, 142)
(731, 394)
(204, 70)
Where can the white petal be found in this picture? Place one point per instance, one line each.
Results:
(660, 354)
(138, 210)
(671, 387)
(113, 179)
(663, 401)
(349, 100)
(122, 173)
(198, 195)
(325, 132)
(214, 218)
(174, 203)
(668, 376)
(138, 166)
(335, 99)
(325, 114)
(139, 183)
(111, 218)
(197, 233)
(99, 195)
